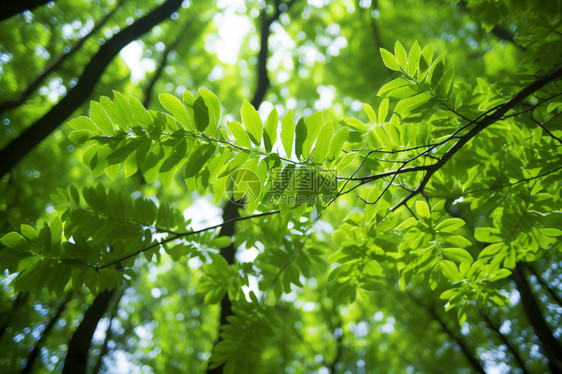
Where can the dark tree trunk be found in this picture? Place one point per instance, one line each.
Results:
(338, 333)
(10, 8)
(34, 134)
(163, 62)
(505, 340)
(20, 299)
(76, 361)
(550, 346)
(230, 211)
(108, 335)
(37, 348)
(499, 31)
(544, 284)
(466, 350)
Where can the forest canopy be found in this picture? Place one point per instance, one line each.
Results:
(276, 186)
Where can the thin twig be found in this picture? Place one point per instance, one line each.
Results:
(183, 235)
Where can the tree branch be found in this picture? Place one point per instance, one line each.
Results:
(21, 298)
(11, 8)
(228, 223)
(543, 283)
(34, 134)
(37, 348)
(54, 64)
(550, 346)
(498, 30)
(481, 125)
(108, 334)
(514, 352)
(230, 212)
(263, 78)
(476, 365)
(76, 360)
(163, 62)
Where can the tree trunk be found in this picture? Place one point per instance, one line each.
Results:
(37, 348)
(34, 134)
(108, 335)
(550, 346)
(544, 284)
(10, 8)
(474, 362)
(20, 299)
(76, 361)
(163, 62)
(505, 340)
(231, 209)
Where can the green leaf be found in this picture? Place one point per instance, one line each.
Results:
(79, 136)
(300, 136)
(383, 110)
(450, 270)
(414, 59)
(457, 240)
(201, 113)
(84, 123)
(410, 222)
(177, 155)
(220, 242)
(370, 113)
(270, 133)
(139, 113)
(130, 165)
(487, 234)
(336, 145)
(197, 159)
(401, 56)
(188, 98)
(491, 249)
(121, 106)
(423, 209)
(449, 293)
(322, 145)
(214, 109)
(445, 84)
(13, 240)
(252, 122)
(56, 231)
(500, 274)
(391, 86)
(288, 132)
(389, 60)
(28, 231)
(100, 117)
(551, 231)
(74, 194)
(241, 136)
(174, 106)
(436, 72)
(458, 254)
(405, 106)
(313, 124)
(113, 114)
(425, 61)
(450, 225)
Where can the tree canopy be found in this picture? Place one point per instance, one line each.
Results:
(281, 186)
